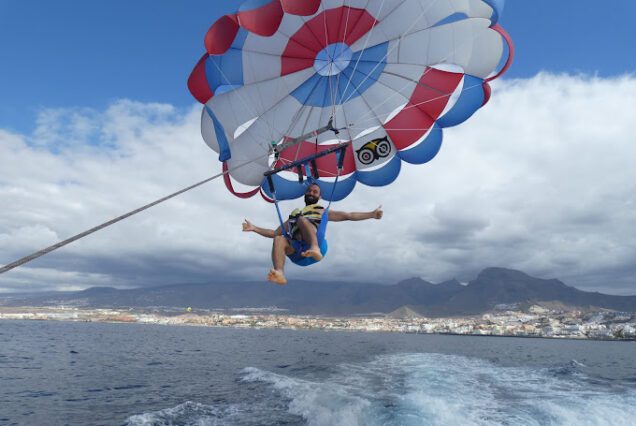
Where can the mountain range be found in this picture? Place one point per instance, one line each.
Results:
(492, 288)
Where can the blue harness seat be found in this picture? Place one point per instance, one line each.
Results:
(301, 246)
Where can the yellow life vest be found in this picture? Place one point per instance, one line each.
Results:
(312, 212)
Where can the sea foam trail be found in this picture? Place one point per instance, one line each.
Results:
(326, 403)
(189, 413)
(416, 389)
(434, 389)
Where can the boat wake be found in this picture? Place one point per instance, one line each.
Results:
(415, 389)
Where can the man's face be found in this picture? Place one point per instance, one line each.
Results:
(312, 195)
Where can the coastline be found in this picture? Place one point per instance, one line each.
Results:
(604, 326)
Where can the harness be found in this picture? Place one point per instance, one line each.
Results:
(300, 246)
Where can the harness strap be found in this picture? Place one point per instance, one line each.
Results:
(272, 190)
(322, 229)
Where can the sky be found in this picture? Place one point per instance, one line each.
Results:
(96, 120)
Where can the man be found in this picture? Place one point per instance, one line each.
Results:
(303, 227)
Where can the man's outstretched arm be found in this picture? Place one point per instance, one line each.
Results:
(268, 233)
(336, 216)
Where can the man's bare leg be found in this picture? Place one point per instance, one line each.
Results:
(280, 248)
(308, 232)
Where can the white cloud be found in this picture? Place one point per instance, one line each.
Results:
(541, 180)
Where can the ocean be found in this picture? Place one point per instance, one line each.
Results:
(64, 373)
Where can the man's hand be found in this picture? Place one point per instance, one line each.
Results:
(377, 213)
(247, 226)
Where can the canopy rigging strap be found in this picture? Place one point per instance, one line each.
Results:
(313, 134)
(56, 246)
(340, 151)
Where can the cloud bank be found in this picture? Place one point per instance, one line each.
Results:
(541, 180)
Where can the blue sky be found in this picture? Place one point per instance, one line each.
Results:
(88, 53)
(96, 120)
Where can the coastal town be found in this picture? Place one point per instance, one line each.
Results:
(536, 321)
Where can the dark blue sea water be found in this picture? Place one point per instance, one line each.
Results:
(55, 373)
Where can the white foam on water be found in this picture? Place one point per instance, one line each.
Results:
(319, 403)
(456, 390)
(188, 413)
(436, 389)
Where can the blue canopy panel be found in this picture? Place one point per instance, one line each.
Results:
(292, 189)
(221, 138)
(426, 150)
(470, 100)
(285, 189)
(382, 176)
(497, 7)
(341, 191)
(224, 73)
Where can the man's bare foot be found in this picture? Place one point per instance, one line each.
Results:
(276, 277)
(313, 252)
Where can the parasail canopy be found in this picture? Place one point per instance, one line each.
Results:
(389, 74)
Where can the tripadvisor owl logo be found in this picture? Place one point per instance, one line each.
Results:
(374, 150)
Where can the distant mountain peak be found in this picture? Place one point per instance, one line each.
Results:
(414, 282)
(511, 278)
(451, 283)
(499, 272)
